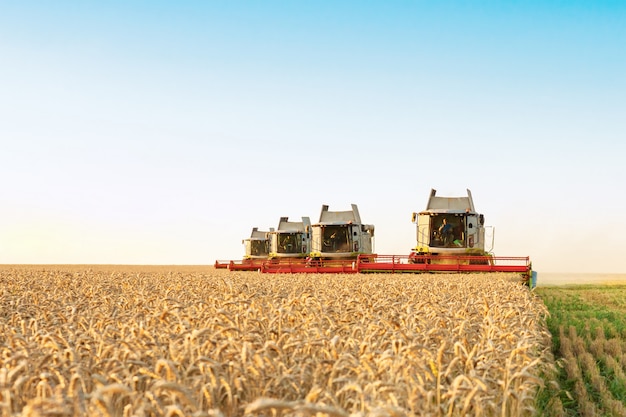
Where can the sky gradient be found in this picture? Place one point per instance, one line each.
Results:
(155, 132)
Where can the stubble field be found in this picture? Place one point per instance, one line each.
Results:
(193, 341)
(588, 324)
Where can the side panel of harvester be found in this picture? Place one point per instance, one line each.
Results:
(341, 235)
(449, 226)
(291, 239)
(257, 246)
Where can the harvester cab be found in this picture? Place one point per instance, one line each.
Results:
(291, 239)
(449, 226)
(257, 246)
(341, 235)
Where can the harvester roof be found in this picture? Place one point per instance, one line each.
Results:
(339, 217)
(284, 225)
(259, 234)
(438, 204)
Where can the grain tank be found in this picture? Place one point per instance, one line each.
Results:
(290, 239)
(341, 235)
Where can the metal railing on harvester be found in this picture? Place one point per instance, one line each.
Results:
(386, 264)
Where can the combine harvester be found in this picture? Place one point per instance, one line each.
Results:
(292, 240)
(334, 243)
(257, 252)
(340, 235)
(450, 239)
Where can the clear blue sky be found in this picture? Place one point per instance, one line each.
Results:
(153, 132)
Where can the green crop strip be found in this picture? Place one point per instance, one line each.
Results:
(593, 319)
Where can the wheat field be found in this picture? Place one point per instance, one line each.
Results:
(194, 341)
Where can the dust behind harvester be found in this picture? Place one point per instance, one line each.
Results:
(450, 237)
